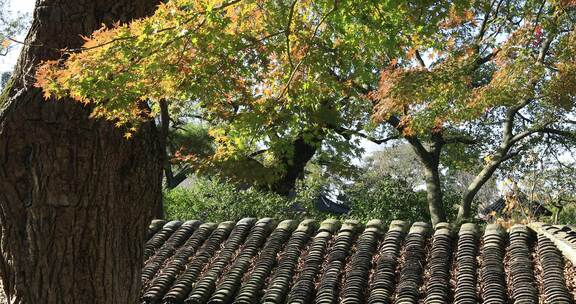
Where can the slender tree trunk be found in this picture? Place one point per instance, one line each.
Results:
(75, 197)
(556, 214)
(302, 154)
(171, 180)
(164, 131)
(430, 161)
(434, 193)
(465, 209)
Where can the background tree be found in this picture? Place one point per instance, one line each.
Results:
(398, 161)
(457, 170)
(549, 180)
(75, 196)
(4, 77)
(11, 24)
(500, 63)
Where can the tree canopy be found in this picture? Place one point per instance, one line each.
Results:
(264, 73)
(280, 82)
(498, 75)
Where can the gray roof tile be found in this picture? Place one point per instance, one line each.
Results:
(265, 261)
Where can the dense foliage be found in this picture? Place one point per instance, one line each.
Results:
(264, 74)
(375, 196)
(470, 85)
(370, 197)
(217, 201)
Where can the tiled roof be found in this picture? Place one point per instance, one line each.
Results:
(265, 261)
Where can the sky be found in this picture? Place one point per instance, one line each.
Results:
(23, 6)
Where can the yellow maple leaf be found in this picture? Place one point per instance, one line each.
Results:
(46, 95)
(410, 52)
(128, 135)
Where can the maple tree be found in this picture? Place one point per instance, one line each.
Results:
(280, 82)
(509, 65)
(277, 81)
(550, 180)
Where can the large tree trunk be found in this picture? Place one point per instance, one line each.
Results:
(295, 164)
(75, 197)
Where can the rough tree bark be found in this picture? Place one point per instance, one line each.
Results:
(75, 197)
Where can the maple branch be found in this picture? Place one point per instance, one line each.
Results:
(287, 32)
(413, 140)
(217, 8)
(174, 180)
(524, 118)
(256, 153)
(544, 49)
(482, 30)
(254, 41)
(346, 133)
(287, 86)
(460, 138)
(295, 69)
(420, 60)
(334, 8)
(509, 138)
(545, 130)
(487, 58)
(546, 44)
(20, 42)
(81, 49)
(509, 121)
(508, 156)
(539, 13)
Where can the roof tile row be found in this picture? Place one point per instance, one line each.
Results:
(265, 261)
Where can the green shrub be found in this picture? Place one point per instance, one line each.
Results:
(386, 198)
(213, 200)
(370, 197)
(568, 215)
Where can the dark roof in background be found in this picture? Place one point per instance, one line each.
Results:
(499, 208)
(265, 261)
(325, 204)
